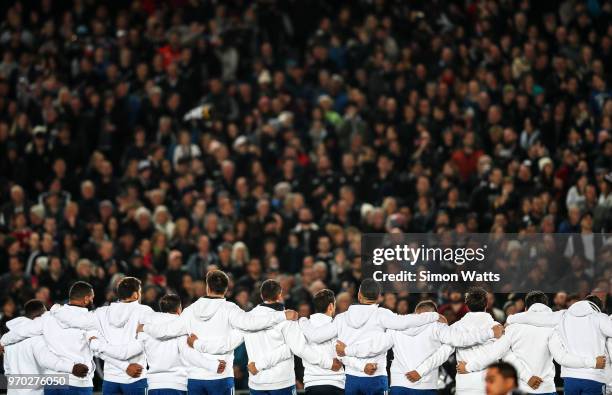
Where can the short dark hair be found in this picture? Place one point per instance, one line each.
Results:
(217, 281)
(322, 299)
(34, 308)
(79, 290)
(534, 297)
(370, 289)
(476, 299)
(169, 303)
(595, 300)
(427, 305)
(270, 289)
(127, 286)
(506, 370)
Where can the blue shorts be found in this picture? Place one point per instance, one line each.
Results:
(377, 385)
(410, 391)
(282, 391)
(211, 387)
(70, 390)
(136, 388)
(574, 386)
(166, 391)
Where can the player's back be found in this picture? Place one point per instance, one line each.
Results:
(315, 375)
(19, 358)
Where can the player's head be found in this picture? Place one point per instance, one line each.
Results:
(170, 303)
(324, 302)
(216, 283)
(271, 291)
(534, 297)
(501, 378)
(81, 294)
(34, 308)
(369, 291)
(129, 289)
(426, 306)
(476, 299)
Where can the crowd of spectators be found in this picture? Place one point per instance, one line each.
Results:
(320, 121)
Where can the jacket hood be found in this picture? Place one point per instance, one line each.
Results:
(477, 319)
(119, 313)
(582, 309)
(358, 314)
(419, 329)
(162, 318)
(65, 314)
(205, 308)
(15, 322)
(539, 308)
(319, 319)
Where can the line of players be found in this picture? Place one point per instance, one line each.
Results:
(177, 351)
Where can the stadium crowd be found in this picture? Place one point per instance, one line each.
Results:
(314, 122)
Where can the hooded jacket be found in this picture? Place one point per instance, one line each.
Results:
(31, 356)
(531, 350)
(423, 349)
(582, 328)
(62, 339)
(285, 334)
(362, 322)
(213, 319)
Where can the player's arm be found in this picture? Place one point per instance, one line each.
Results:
(297, 343)
(119, 364)
(371, 347)
(269, 360)
(22, 332)
(523, 371)
(491, 353)
(168, 330)
(435, 360)
(462, 337)
(221, 344)
(242, 320)
(318, 334)
(564, 358)
(605, 325)
(119, 351)
(195, 358)
(355, 363)
(542, 319)
(49, 360)
(390, 320)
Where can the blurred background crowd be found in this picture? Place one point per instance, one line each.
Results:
(315, 121)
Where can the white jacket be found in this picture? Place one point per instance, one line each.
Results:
(530, 349)
(70, 343)
(213, 319)
(261, 344)
(582, 329)
(472, 383)
(360, 323)
(31, 356)
(423, 349)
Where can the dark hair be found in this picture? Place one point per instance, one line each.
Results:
(79, 290)
(270, 289)
(506, 370)
(535, 297)
(476, 299)
(127, 286)
(34, 308)
(370, 289)
(322, 299)
(595, 300)
(217, 281)
(426, 305)
(169, 303)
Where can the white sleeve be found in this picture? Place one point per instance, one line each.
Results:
(118, 351)
(390, 320)
(242, 320)
(297, 343)
(543, 319)
(197, 359)
(564, 357)
(491, 353)
(269, 360)
(355, 363)
(221, 344)
(461, 337)
(435, 360)
(318, 334)
(48, 360)
(605, 325)
(169, 330)
(521, 367)
(119, 364)
(371, 347)
(22, 332)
